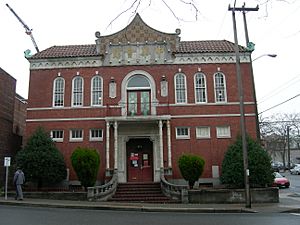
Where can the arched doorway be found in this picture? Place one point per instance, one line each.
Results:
(139, 160)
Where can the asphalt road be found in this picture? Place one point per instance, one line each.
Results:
(295, 183)
(15, 215)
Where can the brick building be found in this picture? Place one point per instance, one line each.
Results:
(12, 115)
(141, 97)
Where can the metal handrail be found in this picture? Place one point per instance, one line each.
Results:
(103, 192)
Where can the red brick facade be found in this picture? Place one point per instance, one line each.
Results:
(117, 61)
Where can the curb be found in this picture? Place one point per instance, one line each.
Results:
(129, 208)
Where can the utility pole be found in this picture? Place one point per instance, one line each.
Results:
(288, 147)
(241, 99)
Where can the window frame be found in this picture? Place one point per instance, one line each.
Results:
(180, 136)
(218, 88)
(76, 139)
(77, 92)
(180, 90)
(199, 136)
(57, 139)
(60, 93)
(220, 134)
(100, 138)
(98, 90)
(201, 90)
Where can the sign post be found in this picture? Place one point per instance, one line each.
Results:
(6, 165)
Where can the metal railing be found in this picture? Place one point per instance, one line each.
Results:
(103, 192)
(174, 191)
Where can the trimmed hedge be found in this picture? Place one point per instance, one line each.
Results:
(86, 162)
(191, 168)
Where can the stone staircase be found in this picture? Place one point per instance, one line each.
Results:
(140, 192)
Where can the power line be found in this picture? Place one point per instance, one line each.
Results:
(279, 89)
(280, 104)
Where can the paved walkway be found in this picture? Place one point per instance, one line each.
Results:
(288, 203)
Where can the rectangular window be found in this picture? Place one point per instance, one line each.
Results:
(203, 132)
(96, 135)
(182, 132)
(57, 135)
(76, 135)
(223, 132)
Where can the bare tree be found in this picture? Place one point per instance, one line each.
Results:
(274, 131)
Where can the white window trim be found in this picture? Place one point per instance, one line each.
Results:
(195, 89)
(73, 91)
(203, 137)
(76, 139)
(185, 85)
(96, 138)
(92, 80)
(223, 136)
(57, 139)
(53, 93)
(225, 88)
(182, 136)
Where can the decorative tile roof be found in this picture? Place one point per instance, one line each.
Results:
(212, 46)
(67, 51)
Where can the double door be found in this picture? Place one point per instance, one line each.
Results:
(139, 160)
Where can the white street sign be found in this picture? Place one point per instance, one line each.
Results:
(6, 161)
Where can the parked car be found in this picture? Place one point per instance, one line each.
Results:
(280, 181)
(295, 170)
(277, 166)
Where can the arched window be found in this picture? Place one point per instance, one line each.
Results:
(96, 91)
(139, 95)
(58, 92)
(180, 88)
(220, 87)
(200, 88)
(77, 91)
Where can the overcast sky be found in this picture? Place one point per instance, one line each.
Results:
(275, 29)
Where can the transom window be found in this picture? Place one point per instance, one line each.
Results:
(180, 88)
(220, 87)
(200, 88)
(96, 91)
(77, 91)
(138, 81)
(58, 92)
(182, 132)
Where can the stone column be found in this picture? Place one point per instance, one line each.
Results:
(107, 145)
(116, 144)
(160, 125)
(169, 144)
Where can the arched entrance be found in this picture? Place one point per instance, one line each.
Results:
(139, 160)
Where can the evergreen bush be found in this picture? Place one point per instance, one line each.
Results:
(259, 165)
(40, 160)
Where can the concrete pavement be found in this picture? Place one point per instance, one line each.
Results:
(289, 202)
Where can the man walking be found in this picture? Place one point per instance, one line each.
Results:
(19, 179)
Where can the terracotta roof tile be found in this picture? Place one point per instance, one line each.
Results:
(212, 46)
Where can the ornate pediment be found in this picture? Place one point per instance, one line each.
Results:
(137, 43)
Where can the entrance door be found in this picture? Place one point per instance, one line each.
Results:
(139, 160)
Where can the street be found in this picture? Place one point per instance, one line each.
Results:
(12, 215)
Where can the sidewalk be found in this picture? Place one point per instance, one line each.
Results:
(288, 203)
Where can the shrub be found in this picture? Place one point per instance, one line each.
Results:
(86, 163)
(259, 165)
(191, 168)
(40, 160)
